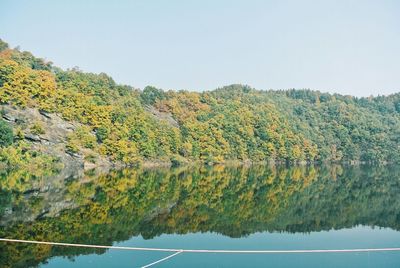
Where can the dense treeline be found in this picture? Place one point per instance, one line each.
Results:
(233, 201)
(230, 123)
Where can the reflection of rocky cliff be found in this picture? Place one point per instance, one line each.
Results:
(45, 197)
(232, 201)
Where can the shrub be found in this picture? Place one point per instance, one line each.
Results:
(6, 134)
(101, 134)
(37, 128)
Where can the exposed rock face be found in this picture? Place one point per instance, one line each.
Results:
(52, 139)
(33, 138)
(162, 116)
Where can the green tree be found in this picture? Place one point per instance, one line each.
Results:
(6, 134)
(151, 94)
(3, 45)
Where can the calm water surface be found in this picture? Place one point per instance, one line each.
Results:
(318, 207)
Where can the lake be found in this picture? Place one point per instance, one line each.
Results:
(199, 207)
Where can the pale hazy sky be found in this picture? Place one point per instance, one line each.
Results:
(344, 46)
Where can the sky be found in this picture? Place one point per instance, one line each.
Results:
(342, 46)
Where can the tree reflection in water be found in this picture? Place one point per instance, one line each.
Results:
(233, 201)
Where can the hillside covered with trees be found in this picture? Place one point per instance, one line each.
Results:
(235, 122)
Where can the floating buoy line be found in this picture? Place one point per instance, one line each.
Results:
(179, 251)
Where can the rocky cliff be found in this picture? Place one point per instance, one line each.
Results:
(48, 133)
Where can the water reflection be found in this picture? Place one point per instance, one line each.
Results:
(233, 201)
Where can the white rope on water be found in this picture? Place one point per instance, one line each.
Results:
(202, 250)
(161, 260)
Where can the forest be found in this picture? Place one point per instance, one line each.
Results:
(231, 123)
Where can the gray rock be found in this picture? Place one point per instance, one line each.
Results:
(75, 155)
(8, 211)
(9, 118)
(45, 114)
(162, 116)
(31, 137)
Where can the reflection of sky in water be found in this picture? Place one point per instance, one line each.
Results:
(358, 237)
